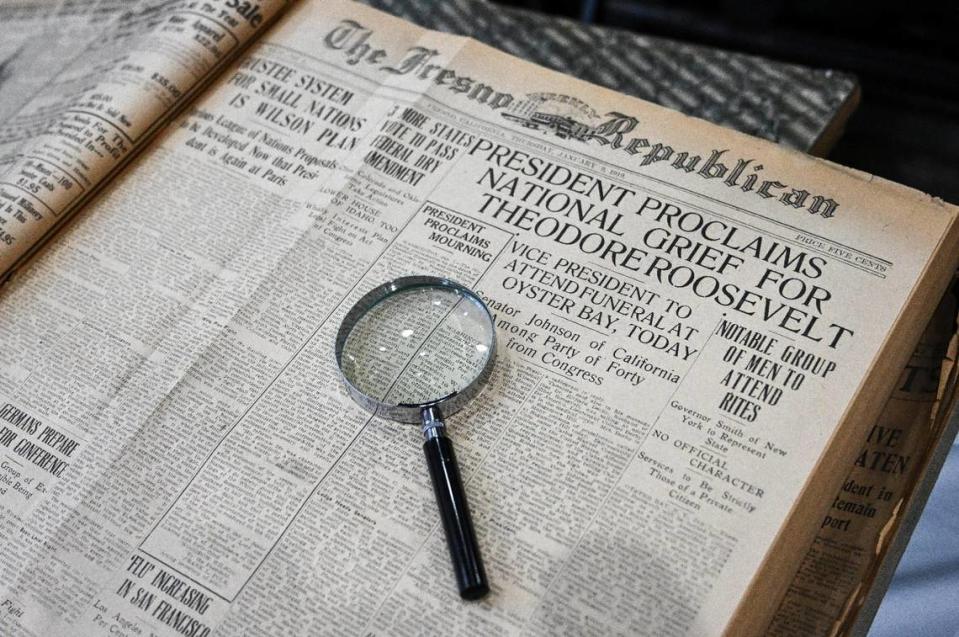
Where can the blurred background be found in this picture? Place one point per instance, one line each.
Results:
(904, 55)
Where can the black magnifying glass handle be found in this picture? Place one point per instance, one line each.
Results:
(460, 537)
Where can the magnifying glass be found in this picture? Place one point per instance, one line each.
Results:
(416, 350)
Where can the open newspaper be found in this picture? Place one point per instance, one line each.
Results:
(697, 330)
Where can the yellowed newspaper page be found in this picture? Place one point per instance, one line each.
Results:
(106, 100)
(836, 572)
(684, 314)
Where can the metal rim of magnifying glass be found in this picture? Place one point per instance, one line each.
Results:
(409, 412)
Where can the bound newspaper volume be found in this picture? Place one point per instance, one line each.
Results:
(698, 334)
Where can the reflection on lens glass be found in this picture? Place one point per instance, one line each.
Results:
(417, 346)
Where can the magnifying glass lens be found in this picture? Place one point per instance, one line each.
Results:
(418, 345)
